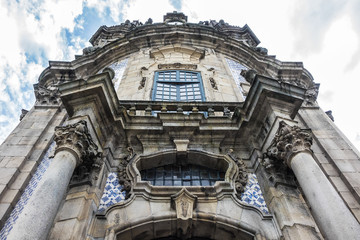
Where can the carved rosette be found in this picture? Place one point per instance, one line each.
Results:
(242, 177)
(288, 141)
(77, 139)
(124, 179)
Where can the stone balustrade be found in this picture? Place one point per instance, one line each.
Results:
(210, 109)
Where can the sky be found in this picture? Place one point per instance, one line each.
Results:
(323, 34)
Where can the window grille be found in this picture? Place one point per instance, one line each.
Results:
(177, 85)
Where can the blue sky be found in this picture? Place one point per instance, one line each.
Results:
(323, 34)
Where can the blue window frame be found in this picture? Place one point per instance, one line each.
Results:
(178, 85)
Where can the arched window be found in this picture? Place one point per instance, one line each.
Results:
(178, 85)
(182, 175)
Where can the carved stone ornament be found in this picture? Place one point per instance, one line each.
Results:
(142, 83)
(242, 177)
(213, 83)
(124, 179)
(46, 96)
(177, 66)
(288, 141)
(249, 75)
(311, 95)
(184, 203)
(23, 113)
(175, 17)
(76, 138)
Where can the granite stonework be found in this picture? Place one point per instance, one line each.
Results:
(283, 161)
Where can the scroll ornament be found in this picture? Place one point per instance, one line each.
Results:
(242, 177)
(124, 179)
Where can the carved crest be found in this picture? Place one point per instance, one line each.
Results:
(184, 203)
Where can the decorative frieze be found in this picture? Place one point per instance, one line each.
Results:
(177, 66)
(77, 139)
(288, 141)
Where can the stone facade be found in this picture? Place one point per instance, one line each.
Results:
(177, 130)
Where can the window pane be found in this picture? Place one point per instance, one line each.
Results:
(176, 175)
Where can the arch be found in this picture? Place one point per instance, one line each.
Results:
(201, 226)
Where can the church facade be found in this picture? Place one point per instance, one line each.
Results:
(177, 130)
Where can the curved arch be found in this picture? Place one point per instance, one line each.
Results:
(202, 225)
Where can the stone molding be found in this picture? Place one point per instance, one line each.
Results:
(77, 139)
(288, 141)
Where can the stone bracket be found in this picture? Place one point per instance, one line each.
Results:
(181, 147)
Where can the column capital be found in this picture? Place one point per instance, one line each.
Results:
(76, 139)
(288, 141)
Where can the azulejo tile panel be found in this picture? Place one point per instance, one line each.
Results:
(43, 166)
(253, 194)
(236, 69)
(113, 193)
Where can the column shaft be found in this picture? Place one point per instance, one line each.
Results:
(329, 210)
(37, 217)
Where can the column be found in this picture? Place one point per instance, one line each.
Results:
(74, 146)
(291, 145)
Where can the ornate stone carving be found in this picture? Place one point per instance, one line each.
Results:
(249, 75)
(76, 138)
(124, 179)
(149, 21)
(288, 141)
(23, 113)
(330, 115)
(242, 177)
(175, 17)
(90, 50)
(184, 203)
(178, 66)
(142, 83)
(46, 96)
(213, 83)
(311, 94)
